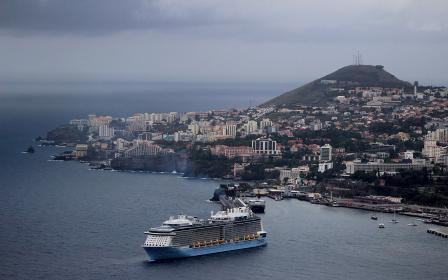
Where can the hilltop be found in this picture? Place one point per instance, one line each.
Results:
(321, 91)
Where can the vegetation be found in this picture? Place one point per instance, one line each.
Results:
(203, 164)
(414, 186)
(395, 126)
(350, 140)
(316, 93)
(258, 172)
(67, 134)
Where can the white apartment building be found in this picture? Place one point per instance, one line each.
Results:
(229, 130)
(121, 144)
(439, 135)
(265, 146)
(265, 123)
(79, 123)
(324, 166)
(432, 150)
(326, 152)
(408, 155)
(106, 132)
(251, 127)
(293, 173)
(194, 128)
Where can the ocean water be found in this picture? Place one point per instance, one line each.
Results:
(60, 220)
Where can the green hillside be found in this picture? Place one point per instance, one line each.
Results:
(319, 92)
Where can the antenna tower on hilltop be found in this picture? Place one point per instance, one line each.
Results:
(357, 58)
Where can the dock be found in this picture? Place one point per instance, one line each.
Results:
(443, 232)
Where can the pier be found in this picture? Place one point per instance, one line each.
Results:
(443, 232)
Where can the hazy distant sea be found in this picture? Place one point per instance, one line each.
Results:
(127, 98)
(31, 109)
(60, 220)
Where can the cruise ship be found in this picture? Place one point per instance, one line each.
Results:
(186, 236)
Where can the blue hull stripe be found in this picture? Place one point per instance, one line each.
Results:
(163, 253)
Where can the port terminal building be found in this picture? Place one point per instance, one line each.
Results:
(352, 167)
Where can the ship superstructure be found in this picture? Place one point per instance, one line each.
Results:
(186, 236)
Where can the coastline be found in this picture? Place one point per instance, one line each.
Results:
(416, 211)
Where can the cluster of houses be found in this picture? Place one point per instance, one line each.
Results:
(274, 131)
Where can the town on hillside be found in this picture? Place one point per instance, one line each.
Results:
(380, 142)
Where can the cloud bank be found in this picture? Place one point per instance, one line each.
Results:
(258, 32)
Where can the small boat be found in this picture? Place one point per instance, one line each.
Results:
(30, 150)
(394, 220)
(96, 167)
(63, 156)
(374, 218)
(381, 225)
(412, 224)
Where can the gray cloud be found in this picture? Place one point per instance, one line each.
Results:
(224, 40)
(97, 17)
(343, 20)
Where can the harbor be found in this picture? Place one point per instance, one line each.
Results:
(113, 225)
(235, 195)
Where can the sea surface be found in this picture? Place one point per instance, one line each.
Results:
(60, 220)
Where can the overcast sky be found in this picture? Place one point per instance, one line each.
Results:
(219, 40)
